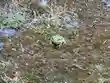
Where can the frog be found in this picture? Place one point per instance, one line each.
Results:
(57, 40)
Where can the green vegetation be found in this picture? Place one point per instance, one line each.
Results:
(11, 19)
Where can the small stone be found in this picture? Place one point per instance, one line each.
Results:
(14, 49)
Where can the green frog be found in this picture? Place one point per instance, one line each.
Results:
(58, 40)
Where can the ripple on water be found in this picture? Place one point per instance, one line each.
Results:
(106, 4)
(7, 32)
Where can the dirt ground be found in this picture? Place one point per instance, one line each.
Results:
(85, 58)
